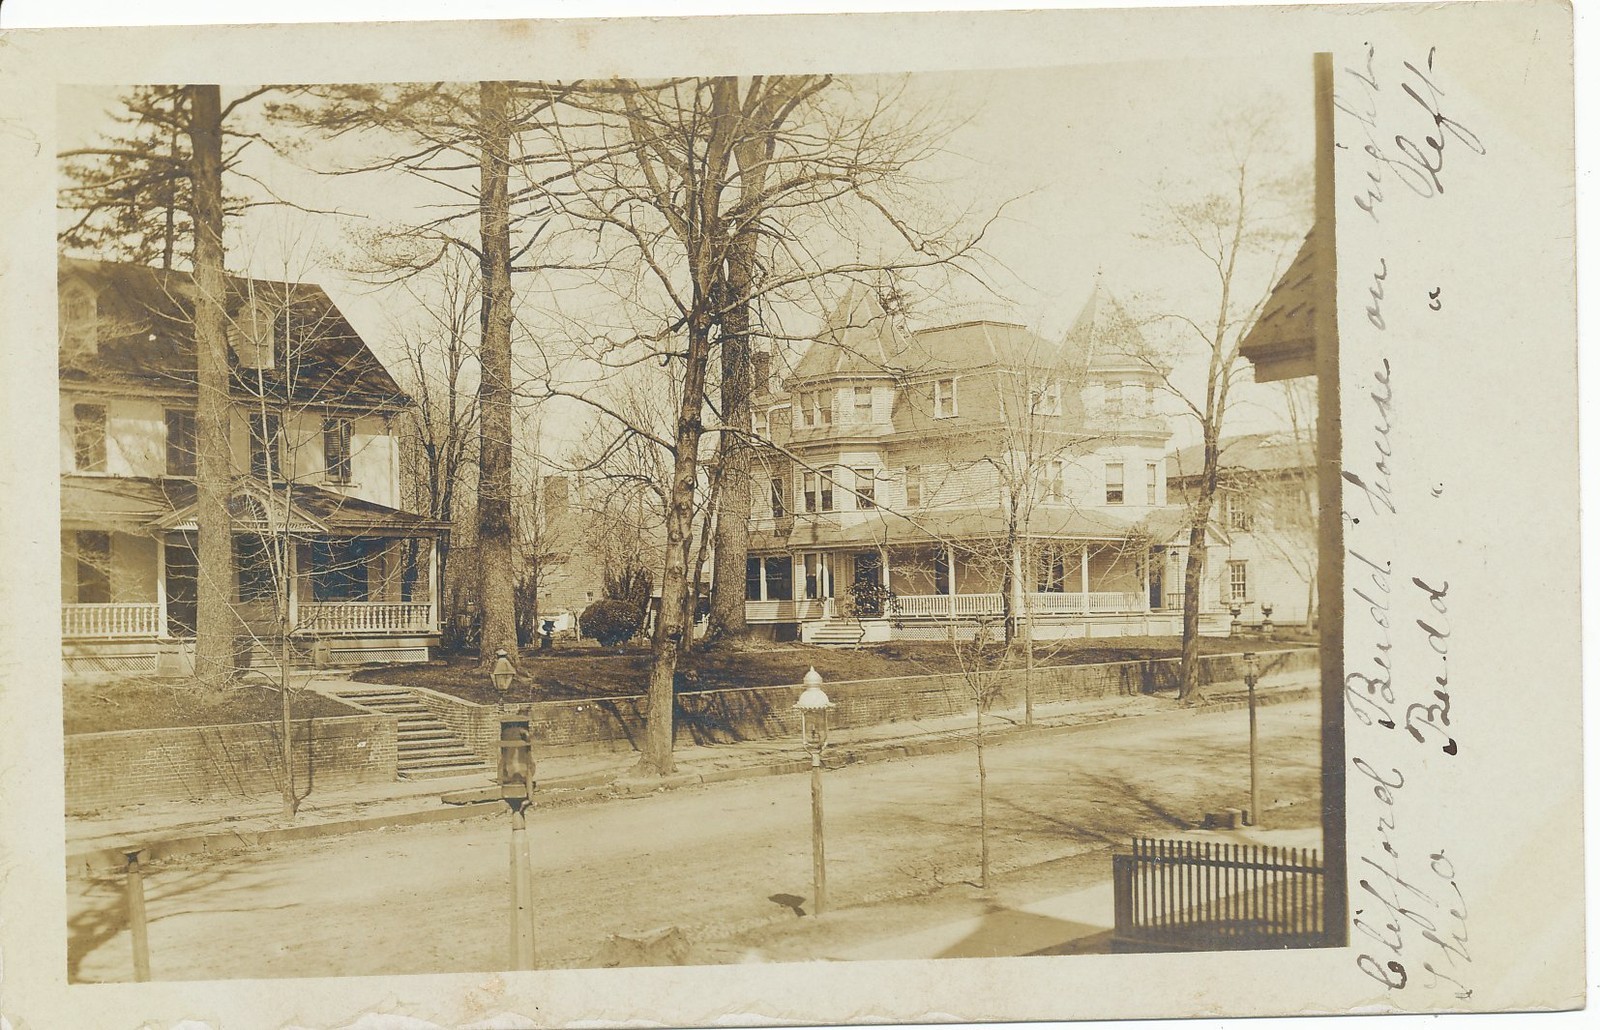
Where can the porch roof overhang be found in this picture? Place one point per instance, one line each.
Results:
(1282, 343)
(168, 505)
(890, 529)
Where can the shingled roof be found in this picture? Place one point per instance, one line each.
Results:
(1282, 343)
(145, 338)
(139, 503)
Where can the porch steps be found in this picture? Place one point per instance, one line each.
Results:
(838, 633)
(425, 746)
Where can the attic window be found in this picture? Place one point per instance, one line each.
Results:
(254, 338)
(80, 318)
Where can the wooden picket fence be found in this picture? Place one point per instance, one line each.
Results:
(1190, 895)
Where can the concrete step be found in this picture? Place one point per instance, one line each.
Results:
(434, 772)
(428, 748)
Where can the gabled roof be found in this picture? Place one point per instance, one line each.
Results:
(167, 504)
(858, 338)
(145, 338)
(1255, 452)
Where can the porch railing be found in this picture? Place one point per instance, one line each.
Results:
(782, 611)
(110, 620)
(1202, 895)
(942, 606)
(363, 617)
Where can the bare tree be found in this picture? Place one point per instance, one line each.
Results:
(661, 198)
(466, 140)
(438, 433)
(172, 152)
(1238, 230)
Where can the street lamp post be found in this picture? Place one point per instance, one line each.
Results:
(504, 672)
(1252, 670)
(813, 708)
(516, 790)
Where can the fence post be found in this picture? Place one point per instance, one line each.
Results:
(136, 917)
(1122, 893)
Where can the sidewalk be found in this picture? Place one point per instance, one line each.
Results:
(173, 829)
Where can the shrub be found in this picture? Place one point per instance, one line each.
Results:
(611, 622)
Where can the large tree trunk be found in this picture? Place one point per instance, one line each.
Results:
(497, 582)
(655, 755)
(1189, 664)
(733, 494)
(215, 648)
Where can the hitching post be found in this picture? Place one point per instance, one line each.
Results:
(136, 918)
(516, 789)
(813, 708)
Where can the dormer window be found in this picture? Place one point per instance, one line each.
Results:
(1045, 398)
(944, 398)
(80, 319)
(254, 338)
(1114, 397)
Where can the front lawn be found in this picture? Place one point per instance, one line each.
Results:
(593, 672)
(142, 703)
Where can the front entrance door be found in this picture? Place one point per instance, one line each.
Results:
(183, 573)
(869, 569)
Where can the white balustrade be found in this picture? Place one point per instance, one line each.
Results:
(110, 620)
(363, 617)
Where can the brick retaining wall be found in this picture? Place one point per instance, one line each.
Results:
(125, 767)
(752, 713)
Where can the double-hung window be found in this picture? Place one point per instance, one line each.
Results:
(779, 508)
(336, 449)
(944, 398)
(89, 437)
(863, 404)
(266, 447)
(181, 442)
(866, 489)
(1152, 473)
(1115, 486)
(913, 486)
(1238, 581)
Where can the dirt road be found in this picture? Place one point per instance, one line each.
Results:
(727, 863)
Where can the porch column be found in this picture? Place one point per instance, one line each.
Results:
(883, 565)
(1083, 575)
(291, 561)
(1016, 582)
(161, 584)
(1144, 579)
(950, 578)
(433, 585)
(761, 574)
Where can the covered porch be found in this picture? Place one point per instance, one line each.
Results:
(1095, 573)
(355, 578)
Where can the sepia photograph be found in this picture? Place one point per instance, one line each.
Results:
(567, 516)
(586, 463)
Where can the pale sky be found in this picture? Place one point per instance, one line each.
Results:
(1083, 147)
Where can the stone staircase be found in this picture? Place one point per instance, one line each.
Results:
(425, 747)
(838, 633)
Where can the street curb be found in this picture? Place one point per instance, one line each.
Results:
(584, 788)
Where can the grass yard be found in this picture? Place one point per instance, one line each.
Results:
(142, 703)
(587, 671)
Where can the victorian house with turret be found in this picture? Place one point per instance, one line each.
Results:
(325, 560)
(919, 482)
